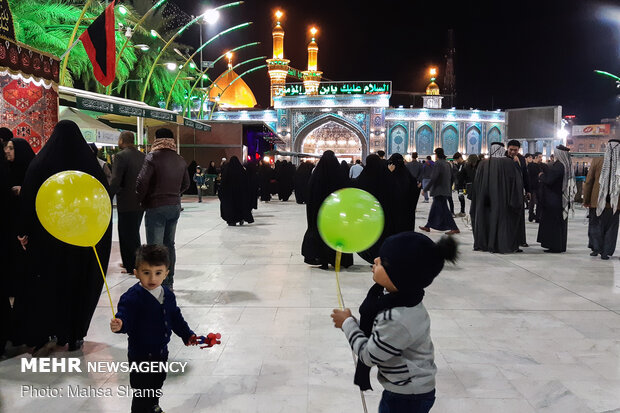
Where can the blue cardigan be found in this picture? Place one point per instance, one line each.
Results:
(149, 324)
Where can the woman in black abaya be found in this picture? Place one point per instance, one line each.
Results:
(302, 176)
(234, 194)
(265, 175)
(377, 180)
(19, 154)
(407, 192)
(5, 305)
(64, 281)
(286, 180)
(253, 183)
(327, 177)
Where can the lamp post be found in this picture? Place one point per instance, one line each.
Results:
(177, 34)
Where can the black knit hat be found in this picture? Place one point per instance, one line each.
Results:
(412, 260)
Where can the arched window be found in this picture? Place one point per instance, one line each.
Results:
(424, 140)
(398, 140)
(494, 135)
(450, 140)
(473, 140)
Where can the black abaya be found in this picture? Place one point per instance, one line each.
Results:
(377, 180)
(5, 305)
(265, 175)
(552, 231)
(326, 178)
(253, 183)
(302, 176)
(497, 203)
(406, 193)
(17, 171)
(64, 282)
(286, 180)
(234, 194)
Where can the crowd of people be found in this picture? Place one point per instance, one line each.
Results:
(50, 290)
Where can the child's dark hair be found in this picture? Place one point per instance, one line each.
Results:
(152, 254)
(448, 249)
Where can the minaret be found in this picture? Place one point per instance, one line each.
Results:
(449, 78)
(278, 66)
(312, 77)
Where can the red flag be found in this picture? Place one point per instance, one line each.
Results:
(100, 44)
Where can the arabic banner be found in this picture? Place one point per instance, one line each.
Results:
(19, 58)
(6, 21)
(341, 88)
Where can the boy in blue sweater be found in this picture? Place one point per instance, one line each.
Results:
(394, 328)
(148, 313)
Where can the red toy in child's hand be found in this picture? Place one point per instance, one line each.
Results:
(210, 340)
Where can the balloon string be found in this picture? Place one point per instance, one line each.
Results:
(337, 266)
(105, 282)
(341, 304)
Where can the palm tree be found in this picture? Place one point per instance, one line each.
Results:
(46, 25)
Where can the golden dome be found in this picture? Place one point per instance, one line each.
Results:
(432, 89)
(237, 95)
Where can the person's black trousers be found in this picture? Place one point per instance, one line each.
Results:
(147, 389)
(129, 237)
(533, 208)
(603, 231)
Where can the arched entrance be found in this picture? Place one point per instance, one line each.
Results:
(332, 133)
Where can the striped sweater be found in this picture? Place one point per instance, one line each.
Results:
(400, 346)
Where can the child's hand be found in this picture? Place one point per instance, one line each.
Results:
(339, 316)
(116, 324)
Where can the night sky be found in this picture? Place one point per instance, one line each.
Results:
(509, 54)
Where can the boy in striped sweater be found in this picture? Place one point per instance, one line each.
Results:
(394, 328)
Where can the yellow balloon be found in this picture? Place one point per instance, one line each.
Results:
(74, 207)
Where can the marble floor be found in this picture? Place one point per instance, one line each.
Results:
(528, 332)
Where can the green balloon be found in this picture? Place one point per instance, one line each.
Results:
(350, 220)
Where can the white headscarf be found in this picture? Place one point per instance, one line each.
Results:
(609, 182)
(569, 187)
(497, 150)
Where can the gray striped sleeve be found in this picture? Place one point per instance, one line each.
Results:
(387, 340)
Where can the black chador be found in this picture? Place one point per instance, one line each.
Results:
(326, 178)
(302, 176)
(234, 194)
(497, 203)
(265, 176)
(64, 282)
(285, 176)
(377, 180)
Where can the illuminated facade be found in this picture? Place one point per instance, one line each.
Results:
(355, 118)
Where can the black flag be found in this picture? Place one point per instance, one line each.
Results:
(100, 44)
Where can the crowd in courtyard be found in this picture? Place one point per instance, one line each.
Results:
(50, 289)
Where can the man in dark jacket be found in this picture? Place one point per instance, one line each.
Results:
(127, 165)
(440, 187)
(427, 170)
(161, 182)
(534, 168)
(513, 153)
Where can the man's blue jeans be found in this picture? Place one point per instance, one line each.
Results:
(161, 226)
(424, 183)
